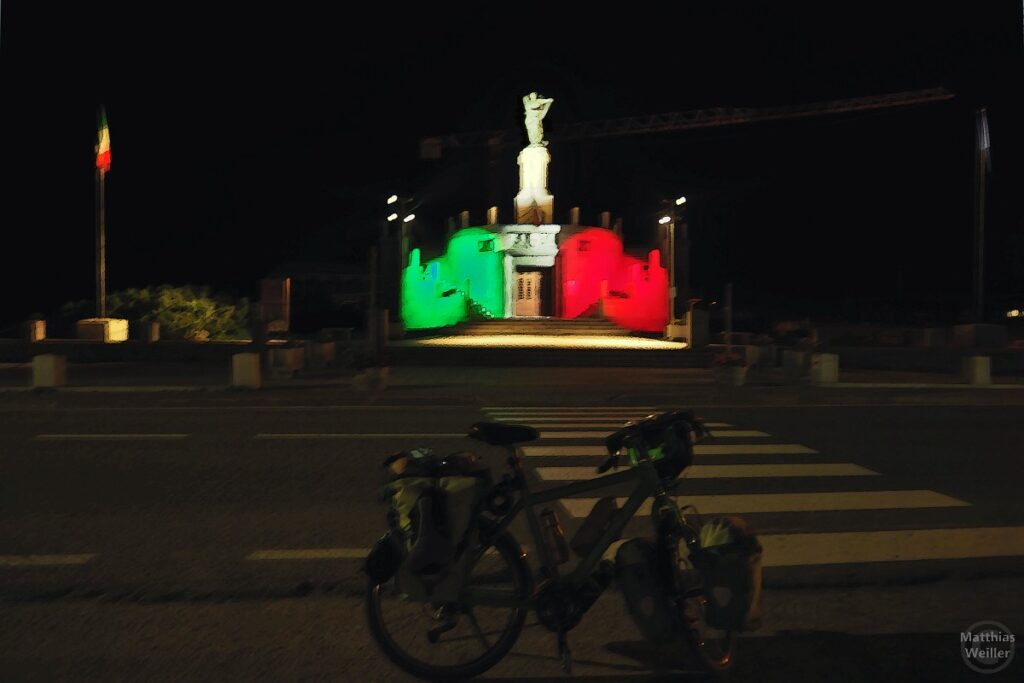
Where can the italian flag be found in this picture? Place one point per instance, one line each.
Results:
(103, 143)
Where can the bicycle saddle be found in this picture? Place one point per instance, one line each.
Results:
(502, 434)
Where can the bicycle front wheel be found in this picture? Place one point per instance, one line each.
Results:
(451, 641)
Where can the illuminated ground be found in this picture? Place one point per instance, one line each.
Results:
(539, 341)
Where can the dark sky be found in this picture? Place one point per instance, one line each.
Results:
(242, 139)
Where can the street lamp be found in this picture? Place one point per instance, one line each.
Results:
(674, 212)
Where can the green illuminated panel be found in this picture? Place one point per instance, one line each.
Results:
(437, 294)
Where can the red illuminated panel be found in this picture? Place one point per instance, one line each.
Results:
(593, 268)
(589, 258)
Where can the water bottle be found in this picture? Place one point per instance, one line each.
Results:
(554, 537)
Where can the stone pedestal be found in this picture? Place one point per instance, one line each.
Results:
(108, 330)
(49, 371)
(976, 370)
(245, 370)
(534, 204)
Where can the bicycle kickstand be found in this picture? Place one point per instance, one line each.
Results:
(564, 652)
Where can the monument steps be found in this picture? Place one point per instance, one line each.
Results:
(552, 327)
(533, 357)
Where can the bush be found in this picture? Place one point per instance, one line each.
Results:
(190, 313)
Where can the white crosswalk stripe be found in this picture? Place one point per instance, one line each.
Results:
(597, 423)
(737, 434)
(588, 425)
(751, 503)
(832, 469)
(699, 449)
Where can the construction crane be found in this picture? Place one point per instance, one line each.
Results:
(432, 147)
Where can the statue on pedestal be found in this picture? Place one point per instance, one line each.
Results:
(536, 109)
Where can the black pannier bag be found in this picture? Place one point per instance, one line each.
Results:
(433, 503)
(643, 589)
(729, 562)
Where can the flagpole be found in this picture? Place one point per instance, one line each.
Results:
(101, 246)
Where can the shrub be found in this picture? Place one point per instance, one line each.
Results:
(187, 312)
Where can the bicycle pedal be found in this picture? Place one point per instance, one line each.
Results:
(434, 634)
(564, 652)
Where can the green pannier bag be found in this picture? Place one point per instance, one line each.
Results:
(432, 519)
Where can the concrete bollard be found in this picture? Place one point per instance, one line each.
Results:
(976, 370)
(797, 364)
(245, 370)
(824, 368)
(49, 371)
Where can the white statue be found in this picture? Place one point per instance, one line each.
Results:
(536, 109)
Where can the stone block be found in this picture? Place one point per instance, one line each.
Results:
(824, 368)
(49, 371)
(976, 370)
(245, 370)
(35, 330)
(108, 330)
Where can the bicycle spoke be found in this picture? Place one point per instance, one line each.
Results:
(476, 627)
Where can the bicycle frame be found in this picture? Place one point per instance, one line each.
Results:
(647, 482)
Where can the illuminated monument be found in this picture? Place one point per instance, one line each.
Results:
(534, 268)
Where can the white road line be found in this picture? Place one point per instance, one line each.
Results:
(699, 449)
(561, 409)
(342, 436)
(310, 554)
(749, 503)
(569, 415)
(596, 423)
(324, 554)
(780, 550)
(788, 550)
(736, 434)
(110, 437)
(44, 560)
(836, 469)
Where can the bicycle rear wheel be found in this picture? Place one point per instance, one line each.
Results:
(715, 649)
(451, 641)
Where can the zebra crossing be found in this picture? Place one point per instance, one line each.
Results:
(744, 470)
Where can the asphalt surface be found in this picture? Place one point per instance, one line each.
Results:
(218, 537)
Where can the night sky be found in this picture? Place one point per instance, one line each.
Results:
(242, 140)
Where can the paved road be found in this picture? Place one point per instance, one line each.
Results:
(135, 532)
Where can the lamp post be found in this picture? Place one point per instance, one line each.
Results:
(675, 212)
(400, 213)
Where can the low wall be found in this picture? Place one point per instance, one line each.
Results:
(1009, 361)
(76, 351)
